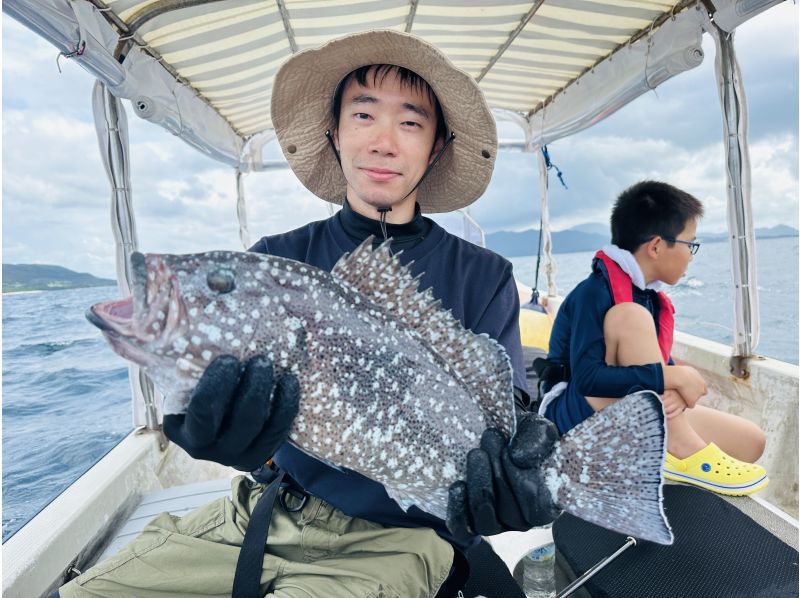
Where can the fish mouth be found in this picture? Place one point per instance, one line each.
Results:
(151, 315)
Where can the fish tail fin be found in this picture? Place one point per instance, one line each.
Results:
(607, 470)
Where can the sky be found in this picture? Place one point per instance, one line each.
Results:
(56, 198)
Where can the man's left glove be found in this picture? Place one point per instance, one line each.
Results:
(238, 415)
(504, 489)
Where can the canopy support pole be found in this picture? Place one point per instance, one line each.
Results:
(547, 242)
(740, 219)
(111, 126)
(241, 210)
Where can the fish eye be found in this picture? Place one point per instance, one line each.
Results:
(221, 281)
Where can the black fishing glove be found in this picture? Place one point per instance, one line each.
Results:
(238, 415)
(504, 489)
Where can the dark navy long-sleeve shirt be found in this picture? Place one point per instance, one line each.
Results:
(474, 283)
(577, 339)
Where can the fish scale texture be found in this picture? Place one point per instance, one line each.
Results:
(718, 553)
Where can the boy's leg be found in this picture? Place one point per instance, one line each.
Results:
(738, 437)
(631, 339)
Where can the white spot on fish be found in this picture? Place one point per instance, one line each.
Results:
(212, 332)
(206, 355)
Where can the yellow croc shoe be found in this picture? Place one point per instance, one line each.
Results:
(714, 470)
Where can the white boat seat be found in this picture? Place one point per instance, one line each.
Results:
(177, 500)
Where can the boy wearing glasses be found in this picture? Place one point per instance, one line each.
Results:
(613, 336)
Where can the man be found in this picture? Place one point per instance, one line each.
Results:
(384, 124)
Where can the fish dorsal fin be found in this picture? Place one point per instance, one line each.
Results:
(478, 360)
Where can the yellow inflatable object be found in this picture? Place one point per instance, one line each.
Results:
(534, 328)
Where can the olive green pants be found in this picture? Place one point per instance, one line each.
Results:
(317, 551)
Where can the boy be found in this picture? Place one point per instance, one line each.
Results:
(613, 335)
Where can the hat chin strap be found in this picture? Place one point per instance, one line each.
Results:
(438, 157)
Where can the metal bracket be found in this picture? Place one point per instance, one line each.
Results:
(738, 366)
(163, 441)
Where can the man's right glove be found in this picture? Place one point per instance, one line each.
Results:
(238, 415)
(504, 489)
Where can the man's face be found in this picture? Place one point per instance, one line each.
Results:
(385, 139)
(676, 258)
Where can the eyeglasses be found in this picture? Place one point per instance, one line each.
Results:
(693, 245)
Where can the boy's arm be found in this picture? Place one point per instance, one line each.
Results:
(687, 381)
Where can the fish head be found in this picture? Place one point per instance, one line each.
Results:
(186, 310)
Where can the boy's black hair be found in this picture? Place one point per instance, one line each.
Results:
(648, 209)
(408, 78)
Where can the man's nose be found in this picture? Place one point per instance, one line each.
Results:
(384, 140)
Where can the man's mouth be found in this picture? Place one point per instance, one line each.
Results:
(380, 174)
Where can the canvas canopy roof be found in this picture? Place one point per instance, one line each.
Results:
(203, 69)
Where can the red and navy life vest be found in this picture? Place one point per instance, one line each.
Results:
(622, 292)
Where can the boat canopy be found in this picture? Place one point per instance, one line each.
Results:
(203, 69)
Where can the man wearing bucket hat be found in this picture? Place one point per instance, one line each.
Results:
(383, 124)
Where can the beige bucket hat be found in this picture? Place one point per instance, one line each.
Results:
(302, 98)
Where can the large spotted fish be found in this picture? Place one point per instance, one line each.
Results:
(392, 386)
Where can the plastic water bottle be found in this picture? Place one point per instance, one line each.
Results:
(536, 570)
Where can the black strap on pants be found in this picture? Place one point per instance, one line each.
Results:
(459, 572)
(247, 579)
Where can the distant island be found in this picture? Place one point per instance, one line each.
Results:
(40, 277)
(592, 236)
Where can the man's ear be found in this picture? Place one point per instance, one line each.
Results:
(437, 147)
(335, 135)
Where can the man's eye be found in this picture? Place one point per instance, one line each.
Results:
(361, 115)
(411, 123)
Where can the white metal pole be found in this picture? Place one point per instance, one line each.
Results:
(241, 210)
(112, 135)
(740, 219)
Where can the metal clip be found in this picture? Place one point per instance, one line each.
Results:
(303, 497)
(77, 52)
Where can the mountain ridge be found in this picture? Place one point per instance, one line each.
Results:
(581, 238)
(46, 277)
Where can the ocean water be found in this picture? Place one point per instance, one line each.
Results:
(66, 397)
(66, 394)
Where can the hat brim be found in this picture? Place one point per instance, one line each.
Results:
(301, 110)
